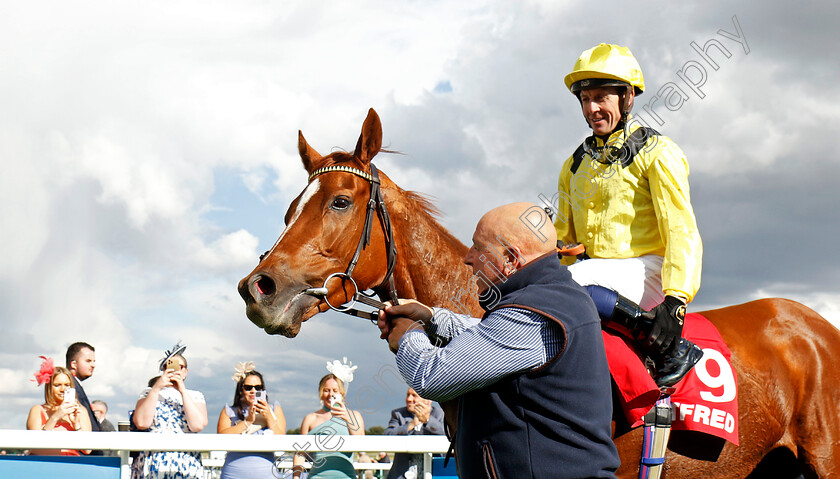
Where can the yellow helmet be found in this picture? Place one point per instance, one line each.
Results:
(605, 65)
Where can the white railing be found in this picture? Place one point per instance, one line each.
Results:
(124, 442)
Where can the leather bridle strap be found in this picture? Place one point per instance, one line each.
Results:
(390, 244)
(364, 241)
(376, 205)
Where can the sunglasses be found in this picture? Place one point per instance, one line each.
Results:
(250, 387)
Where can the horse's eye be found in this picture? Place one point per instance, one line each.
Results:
(340, 203)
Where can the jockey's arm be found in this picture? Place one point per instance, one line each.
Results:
(668, 178)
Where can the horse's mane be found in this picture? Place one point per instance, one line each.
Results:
(424, 203)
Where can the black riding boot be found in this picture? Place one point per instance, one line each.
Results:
(671, 368)
(667, 369)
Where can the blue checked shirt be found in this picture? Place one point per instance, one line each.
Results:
(479, 352)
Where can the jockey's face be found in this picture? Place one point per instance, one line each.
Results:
(601, 109)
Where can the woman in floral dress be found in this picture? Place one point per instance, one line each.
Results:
(169, 407)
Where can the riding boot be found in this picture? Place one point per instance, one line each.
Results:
(615, 308)
(667, 369)
(672, 367)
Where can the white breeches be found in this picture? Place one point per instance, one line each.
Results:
(637, 279)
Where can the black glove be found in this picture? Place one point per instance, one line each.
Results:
(663, 326)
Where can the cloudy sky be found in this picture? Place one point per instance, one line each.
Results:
(149, 153)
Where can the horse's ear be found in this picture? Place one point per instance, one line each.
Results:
(370, 141)
(308, 155)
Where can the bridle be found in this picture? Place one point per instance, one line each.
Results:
(376, 205)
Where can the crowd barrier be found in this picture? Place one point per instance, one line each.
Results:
(98, 467)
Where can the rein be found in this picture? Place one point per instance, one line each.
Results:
(376, 205)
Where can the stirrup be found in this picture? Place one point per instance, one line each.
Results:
(657, 431)
(672, 368)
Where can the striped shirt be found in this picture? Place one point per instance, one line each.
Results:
(462, 353)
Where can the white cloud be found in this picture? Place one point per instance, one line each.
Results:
(233, 250)
(15, 381)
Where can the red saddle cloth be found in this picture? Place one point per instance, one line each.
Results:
(706, 400)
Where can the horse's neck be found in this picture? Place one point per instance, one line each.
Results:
(430, 263)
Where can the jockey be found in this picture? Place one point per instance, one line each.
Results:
(624, 195)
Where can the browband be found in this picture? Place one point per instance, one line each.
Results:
(345, 169)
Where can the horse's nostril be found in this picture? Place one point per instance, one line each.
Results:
(265, 286)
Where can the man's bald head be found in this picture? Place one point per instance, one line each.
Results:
(524, 226)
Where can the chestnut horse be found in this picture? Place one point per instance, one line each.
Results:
(783, 352)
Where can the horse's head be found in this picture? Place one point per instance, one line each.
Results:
(323, 228)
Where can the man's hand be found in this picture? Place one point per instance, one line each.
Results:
(397, 329)
(422, 410)
(665, 326)
(407, 308)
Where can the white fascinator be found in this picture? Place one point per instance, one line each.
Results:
(342, 370)
(242, 370)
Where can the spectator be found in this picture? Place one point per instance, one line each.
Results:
(333, 418)
(81, 360)
(365, 459)
(418, 417)
(169, 407)
(531, 375)
(383, 458)
(100, 409)
(250, 414)
(56, 414)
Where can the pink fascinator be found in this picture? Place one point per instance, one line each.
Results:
(46, 372)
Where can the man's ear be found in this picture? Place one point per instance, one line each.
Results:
(513, 256)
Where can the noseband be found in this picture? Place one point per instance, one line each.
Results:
(376, 205)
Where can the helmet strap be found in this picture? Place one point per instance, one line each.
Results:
(625, 103)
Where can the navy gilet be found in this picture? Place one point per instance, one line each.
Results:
(554, 421)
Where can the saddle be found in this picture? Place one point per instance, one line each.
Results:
(704, 401)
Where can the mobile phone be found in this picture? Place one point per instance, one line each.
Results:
(172, 364)
(260, 396)
(69, 396)
(335, 400)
